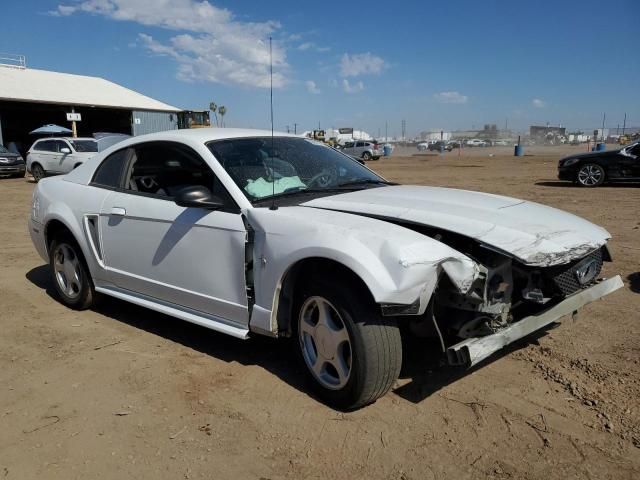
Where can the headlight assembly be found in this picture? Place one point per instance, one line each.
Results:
(569, 162)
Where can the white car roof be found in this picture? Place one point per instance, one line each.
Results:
(70, 139)
(208, 134)
(196, 138)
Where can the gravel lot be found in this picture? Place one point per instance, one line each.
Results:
(123, 392)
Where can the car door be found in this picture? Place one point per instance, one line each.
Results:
(188, 257)
(359, 149)
(67, 157)
(46, 154)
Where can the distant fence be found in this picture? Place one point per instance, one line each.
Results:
(11, 60)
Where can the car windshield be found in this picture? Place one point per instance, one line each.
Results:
(264, 167)
(85, 145)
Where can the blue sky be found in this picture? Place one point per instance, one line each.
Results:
(451, 65)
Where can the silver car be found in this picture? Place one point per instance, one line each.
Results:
(366, 150)
(54, 156)
(249, 233)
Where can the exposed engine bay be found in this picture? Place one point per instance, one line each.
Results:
(504, 292)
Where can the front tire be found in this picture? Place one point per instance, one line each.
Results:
(352, 354)
(71, 277)
(37, 172)
(590, 175)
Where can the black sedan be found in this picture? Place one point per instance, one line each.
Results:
(435, 147)
(595, 168)
(11, 164)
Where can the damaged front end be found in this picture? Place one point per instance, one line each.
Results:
(506, 300)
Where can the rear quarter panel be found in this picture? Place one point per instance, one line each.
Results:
(68, 203)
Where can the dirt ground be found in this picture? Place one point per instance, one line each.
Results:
(123, 392)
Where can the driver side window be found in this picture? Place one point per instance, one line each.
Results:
(161, 169)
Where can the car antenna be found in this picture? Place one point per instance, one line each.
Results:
(273, 176)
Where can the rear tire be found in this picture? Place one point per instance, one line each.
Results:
(351, 353)
(590, 175)
(71, 278)
(366, 156)
(38, 172)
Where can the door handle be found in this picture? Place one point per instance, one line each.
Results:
(119, 211)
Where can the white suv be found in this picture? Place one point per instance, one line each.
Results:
(361, 148)
(52, 156)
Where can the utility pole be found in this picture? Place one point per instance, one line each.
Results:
(404, 129)
(295, 128)
(624, 124)
(604, 116)
(386, 131)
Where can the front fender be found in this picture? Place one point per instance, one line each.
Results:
(398, 265)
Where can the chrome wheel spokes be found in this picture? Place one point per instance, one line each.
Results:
(590, 175)
(67, 270)
(325, 343)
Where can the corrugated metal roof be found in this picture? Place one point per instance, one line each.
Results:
(29, 85)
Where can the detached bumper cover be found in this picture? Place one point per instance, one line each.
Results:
(474, 350)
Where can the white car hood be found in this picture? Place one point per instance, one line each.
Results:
(535, 234)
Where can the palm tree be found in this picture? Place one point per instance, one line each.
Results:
(222, 111)
(213, 107)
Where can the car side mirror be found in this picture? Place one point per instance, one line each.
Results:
(197, 196)
(65, 150)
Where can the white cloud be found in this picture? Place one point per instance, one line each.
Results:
(349, 88)
(538, 103)
(360, 64)
(312, 46)
(451, 97)
(312, 87)
(214, 47)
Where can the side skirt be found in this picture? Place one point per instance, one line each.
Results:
(199, 318)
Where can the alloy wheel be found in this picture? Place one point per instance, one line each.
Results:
(590, 175)
(325, 343)
(67, 270)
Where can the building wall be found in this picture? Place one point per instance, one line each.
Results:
(143, 122)
(434, 135)
(540, 132)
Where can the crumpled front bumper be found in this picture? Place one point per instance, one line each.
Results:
(472, 351)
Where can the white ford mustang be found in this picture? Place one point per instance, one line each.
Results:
(246, 233)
